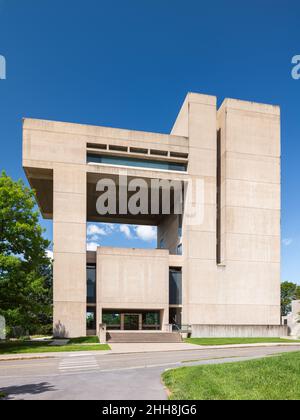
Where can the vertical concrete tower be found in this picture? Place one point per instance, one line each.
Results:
(232, 259)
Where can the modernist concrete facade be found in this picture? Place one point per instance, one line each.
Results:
(227, 264)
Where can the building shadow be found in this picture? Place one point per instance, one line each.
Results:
(30, 389)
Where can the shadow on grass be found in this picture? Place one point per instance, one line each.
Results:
(29, 389)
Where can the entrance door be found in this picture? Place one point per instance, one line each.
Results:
(131, 322)
(175, 316)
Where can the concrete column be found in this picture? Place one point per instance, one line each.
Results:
(140, 322)
(197, 121)
(122, 321)
(249, 289)
(164, 314)
(102, 333)
(69, 238)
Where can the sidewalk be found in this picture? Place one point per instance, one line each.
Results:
(119, 348)
(50, 355)
(127, 348)
(149, 347)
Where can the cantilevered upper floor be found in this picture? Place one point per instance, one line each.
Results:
(97, 150)
(190, 149)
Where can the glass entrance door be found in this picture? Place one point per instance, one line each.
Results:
(135, 320)
(131, 322)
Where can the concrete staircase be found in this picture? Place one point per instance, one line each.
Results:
(143, 337)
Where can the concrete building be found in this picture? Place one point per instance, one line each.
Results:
(220, 270)
(292, 320)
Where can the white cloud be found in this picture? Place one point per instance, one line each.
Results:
(49, 254)
(96, 230)
(126, 230)
(110, 226)
(146, 233)
(92, 246)
(93, 238)
(287, 241)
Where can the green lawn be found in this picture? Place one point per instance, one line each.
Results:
(85, 340)
(2, 395)
(227, 341)
(17, 347)
(272, 378)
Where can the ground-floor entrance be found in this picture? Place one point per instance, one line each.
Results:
(175, 316)
(131, 320)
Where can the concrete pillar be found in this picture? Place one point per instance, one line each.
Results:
(164, 315)
(69, 239)
(197, 120)
(250, 213)
(102, 333)
(122, 321)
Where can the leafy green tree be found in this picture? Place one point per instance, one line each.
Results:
(298, 293)
(25, 269)
(289, 293)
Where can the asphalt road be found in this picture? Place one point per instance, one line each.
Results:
(96, 376)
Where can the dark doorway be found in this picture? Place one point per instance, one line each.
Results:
(91, 319)
(131, 322)
(175, 316)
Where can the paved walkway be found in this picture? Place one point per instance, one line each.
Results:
(59, 343)
(149, 347)
(124, 348)
(153, 347)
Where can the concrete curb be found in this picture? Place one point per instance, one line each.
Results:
(54, 355)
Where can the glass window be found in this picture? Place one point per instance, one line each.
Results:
(112, 320)
(91, 318)
(151, 321)
(91, 283)
(143, 163)
(175, 288)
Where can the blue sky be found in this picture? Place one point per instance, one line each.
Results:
(130, 63)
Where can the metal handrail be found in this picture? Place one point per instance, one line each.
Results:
(183, 328)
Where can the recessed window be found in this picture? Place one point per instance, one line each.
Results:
(112, 320)
(97, 146)
(91, 283)
(175, 286)
(138, 150)
(218, 216)
(118, 148)
(151, 320)
(159, 153)
(179, 155)
(135, 162)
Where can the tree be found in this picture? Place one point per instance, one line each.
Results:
(298, 293)
(25, 269)
(289, 293)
